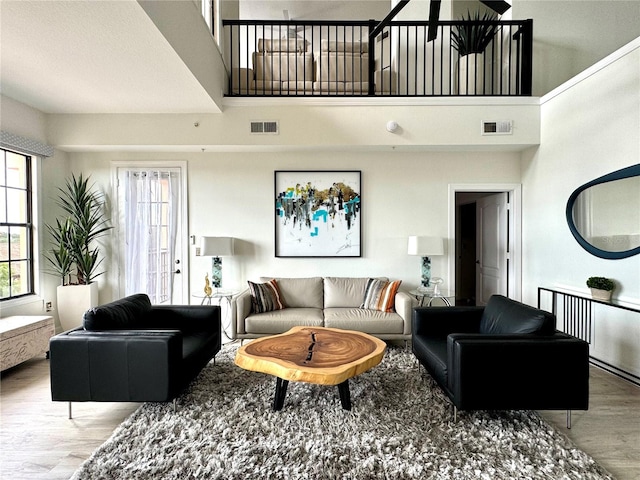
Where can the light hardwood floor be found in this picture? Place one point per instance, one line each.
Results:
(38, 441)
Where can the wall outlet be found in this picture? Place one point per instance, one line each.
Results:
(197, 251)
(48, 306)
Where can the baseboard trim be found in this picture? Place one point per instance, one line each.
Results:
(618, 372)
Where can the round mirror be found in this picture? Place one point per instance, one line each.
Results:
(604, 214)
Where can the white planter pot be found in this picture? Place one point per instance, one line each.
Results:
(598, 294)
(73, 301)
(471, 74)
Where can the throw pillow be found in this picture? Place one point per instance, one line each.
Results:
(265, 297)
(380, 295)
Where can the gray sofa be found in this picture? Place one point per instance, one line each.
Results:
(322, 301)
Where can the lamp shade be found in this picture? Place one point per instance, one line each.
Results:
(216, 246)
(425, 246)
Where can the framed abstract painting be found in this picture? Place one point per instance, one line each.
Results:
(318, 213)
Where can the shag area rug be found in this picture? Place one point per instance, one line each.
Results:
(400, 427)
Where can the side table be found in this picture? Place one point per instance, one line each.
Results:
(426, 298)
(218, 296)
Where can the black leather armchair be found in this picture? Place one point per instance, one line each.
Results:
(131, 351)
(505, 356)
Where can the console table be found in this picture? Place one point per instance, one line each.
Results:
(576, 312)
(24, 337)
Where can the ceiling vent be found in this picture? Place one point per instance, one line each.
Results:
(264, 128)
(504, 127)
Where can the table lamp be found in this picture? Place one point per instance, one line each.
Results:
(426, 247)
(216, 247)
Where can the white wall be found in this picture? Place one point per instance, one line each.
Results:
(232, 194)
(309, 125)
(571, 35)
(590, 127)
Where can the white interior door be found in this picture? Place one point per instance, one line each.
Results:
(491, 247)
(152, 249)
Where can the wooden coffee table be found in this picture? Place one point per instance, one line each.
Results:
(320, 355)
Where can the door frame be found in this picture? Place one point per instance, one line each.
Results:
(118, 288)
(515, 231)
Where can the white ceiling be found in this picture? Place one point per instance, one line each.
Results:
(92, 57)
(315, 9)
(107, 56)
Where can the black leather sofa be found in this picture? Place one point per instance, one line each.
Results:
(505, 356)
(129, 350)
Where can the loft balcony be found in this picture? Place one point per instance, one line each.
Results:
(357, 58)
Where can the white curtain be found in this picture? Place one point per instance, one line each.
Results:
(151, 215)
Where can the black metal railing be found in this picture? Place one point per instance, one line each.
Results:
(337, 58)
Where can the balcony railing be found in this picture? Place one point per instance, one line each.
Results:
(334, 58)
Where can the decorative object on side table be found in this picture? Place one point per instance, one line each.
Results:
(436, 282)
(216, 247)
(426, 247)
(601, 287)
(207, 286)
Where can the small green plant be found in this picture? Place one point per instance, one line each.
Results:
(601, 283)
(475, 34)
(73, 238)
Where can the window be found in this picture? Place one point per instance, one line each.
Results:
(16, 227)
(208, 9)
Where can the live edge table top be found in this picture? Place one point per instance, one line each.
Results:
(320, 355)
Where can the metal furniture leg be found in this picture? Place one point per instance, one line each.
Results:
(281, 392)
(345, 395)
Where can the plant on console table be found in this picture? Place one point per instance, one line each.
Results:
(75, 254)
(601, 287)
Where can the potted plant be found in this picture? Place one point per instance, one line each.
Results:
(470, 39)
(601, 287)
(75, 254)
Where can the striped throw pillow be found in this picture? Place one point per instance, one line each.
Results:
(380, 295)
(265, 297)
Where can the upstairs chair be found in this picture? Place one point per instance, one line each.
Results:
(132, 351)
(505, 356)
(343, 67)
(282, 66)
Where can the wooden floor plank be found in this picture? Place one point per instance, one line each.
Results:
(38, 441)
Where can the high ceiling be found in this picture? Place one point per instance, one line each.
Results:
(93, 57)
(107, 56)
(315, 9)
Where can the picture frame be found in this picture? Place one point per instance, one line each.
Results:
(318, 213)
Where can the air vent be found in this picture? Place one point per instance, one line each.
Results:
(261, 128)
(504, 127)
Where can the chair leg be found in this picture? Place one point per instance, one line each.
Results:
(455, 414)
(569, 419)
(175, 405)
(70, 412)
